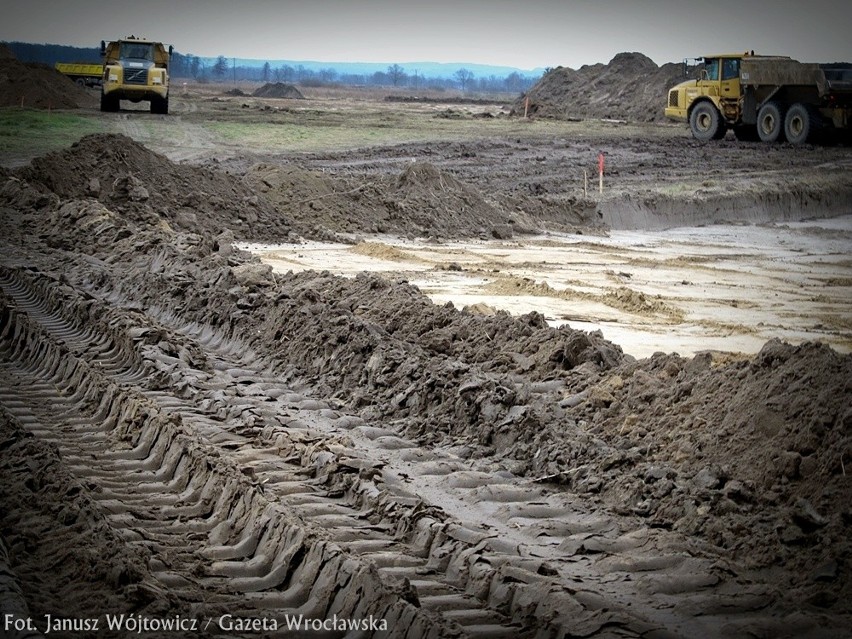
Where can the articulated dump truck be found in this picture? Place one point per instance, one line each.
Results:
(135, 70)
(768, 98)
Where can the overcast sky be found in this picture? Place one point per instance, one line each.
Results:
(521, 33)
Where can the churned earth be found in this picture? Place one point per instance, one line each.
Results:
(189, 432)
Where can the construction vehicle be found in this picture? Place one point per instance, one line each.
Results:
(83, 73)
(135, 70)
(768, 98)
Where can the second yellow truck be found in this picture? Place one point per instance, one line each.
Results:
(768, 98)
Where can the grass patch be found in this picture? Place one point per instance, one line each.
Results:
(348, 127)
(28, 132)
(325, 136)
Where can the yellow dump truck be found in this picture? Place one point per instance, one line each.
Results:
(83, 73)
(768, 98)
(135, 70)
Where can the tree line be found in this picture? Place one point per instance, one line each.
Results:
(224, 70)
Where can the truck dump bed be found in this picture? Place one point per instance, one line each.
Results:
(78, 68)
(838, 76)
(760, 71)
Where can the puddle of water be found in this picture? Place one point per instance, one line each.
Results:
(684, 290)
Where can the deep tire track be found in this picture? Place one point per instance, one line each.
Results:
(149, 496)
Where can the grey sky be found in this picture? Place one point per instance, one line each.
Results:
(524, 34)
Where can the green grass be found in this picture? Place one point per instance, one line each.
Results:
(328, 131)
(28, 132)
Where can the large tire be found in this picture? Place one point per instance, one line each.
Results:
(801, 124)
(109, 103)
(706, 122)
(160, 105)
(770, 122)
(746, 133)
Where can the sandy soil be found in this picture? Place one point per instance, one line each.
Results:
(188, 432)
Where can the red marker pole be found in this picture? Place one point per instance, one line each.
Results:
(600, 170)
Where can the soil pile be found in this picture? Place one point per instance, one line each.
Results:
(314, 199)
(278, 90)
(631, 87)
(434, 200)
(747, 452)
(37, 86)
(422, 200)
(149, 189)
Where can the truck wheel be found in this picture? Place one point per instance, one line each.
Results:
(160, 105)
(770, 122)
(801, 123)
(746, 133)
(705, 122)
(108, 103)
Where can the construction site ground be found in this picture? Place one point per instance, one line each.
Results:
(402, 365)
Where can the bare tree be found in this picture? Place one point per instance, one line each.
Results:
(396, 74)
(266, 69)
(221, 66)
(463, 77)
(327, 75)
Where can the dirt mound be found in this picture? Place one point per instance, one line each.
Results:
(314, 199)
(37, 86)
(734, 450)
(422, 200)
(147, 188)
(631, 87)
(278, 90)
(435, 201)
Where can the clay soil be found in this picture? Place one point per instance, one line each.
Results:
(190, 434)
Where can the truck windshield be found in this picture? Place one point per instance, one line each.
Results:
(711, 68)
(730, 68)
(136, 50)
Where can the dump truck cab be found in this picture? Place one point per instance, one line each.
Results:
(137, 70)
(711, 101)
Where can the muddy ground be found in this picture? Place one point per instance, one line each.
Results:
(190, 435)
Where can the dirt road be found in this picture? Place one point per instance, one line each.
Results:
(192, 437)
